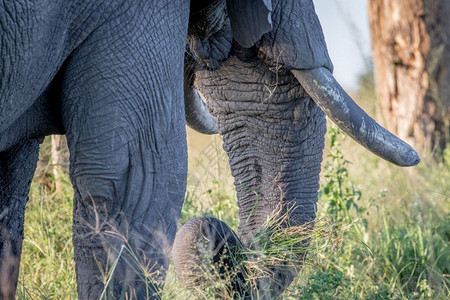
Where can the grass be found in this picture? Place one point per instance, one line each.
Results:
(47, 269)
(382, 232)
(395, 248)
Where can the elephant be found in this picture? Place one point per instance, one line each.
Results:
(121, 79)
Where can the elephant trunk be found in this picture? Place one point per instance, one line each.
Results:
(276, 166)
(275, 163)
(339, 107)
(273, 134)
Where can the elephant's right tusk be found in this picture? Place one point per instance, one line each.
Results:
(323, 88)
(197, 116)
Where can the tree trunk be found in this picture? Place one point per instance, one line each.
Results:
(57, 146)
(411, 54)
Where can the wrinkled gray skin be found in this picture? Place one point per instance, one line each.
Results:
(108, 74)
(111, 75)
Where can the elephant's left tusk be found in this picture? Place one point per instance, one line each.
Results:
(339, 106)
(197, 116)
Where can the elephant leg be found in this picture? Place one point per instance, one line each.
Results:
(124, 117)
(124, 211)
(17, 167)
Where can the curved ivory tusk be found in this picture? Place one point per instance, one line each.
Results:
(197, 116)
(323, 88)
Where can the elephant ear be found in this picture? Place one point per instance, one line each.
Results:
(249, 19)
(298, 42)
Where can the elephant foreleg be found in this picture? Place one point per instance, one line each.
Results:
(124, 223)
(124, 116)
(17, 167)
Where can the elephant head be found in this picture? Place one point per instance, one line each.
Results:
(264, 70)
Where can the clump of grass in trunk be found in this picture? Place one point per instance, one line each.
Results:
(276, 245)
(274, 248)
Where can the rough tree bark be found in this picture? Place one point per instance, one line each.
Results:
(58, 145)
(411, 54)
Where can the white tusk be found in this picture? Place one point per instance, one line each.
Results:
(323, 88)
